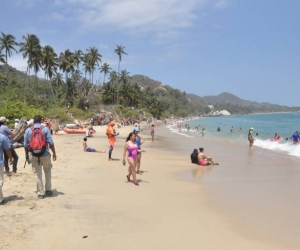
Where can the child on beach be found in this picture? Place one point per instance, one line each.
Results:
(87, 149)
(152, 132)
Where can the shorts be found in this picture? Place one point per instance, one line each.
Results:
(90, 150)
(203, 163)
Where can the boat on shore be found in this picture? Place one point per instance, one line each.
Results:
(75, 130)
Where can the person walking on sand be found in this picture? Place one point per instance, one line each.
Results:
(111, 135)
(8, 133)
(132, 151)
(139, 142)
(4, 147)
(87, 149)
(152, 132)
(38, 134)
(205, 160)
(250, 137)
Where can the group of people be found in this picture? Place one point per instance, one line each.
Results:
(132, 149)
(199, 158)
(37, 142)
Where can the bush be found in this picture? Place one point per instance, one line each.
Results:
(80, 113)
(16, 109)
(126, 112)
(58, 113)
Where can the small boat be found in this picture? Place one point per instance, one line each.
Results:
(75, 130)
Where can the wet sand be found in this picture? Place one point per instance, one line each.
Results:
(177, 205)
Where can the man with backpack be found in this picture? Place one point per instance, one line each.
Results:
(4, 147)
(37, 141)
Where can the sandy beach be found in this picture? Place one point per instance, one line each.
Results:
(176, 206)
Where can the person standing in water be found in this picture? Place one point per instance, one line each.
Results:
(295, 137)
(250, 137)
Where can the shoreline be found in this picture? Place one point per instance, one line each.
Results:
(92, 198)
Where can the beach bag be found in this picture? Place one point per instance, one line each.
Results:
(37, 144)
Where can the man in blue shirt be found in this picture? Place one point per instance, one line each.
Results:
(8, 133)
(295, 137)
(4, 147)
(44, 160)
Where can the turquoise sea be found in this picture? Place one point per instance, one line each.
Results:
(265, 126)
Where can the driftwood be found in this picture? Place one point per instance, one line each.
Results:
(19, 131)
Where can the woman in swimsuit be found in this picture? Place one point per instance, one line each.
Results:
(139, 142)
(250, 137)
(132, 151)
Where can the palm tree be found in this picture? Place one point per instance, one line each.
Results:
(2, 59)
(8, 42)
(108, 91)
(124, 77)
(112, 78)
(94, 59)
(120, 51)
(67, 62)
(31, 49)
(78, 56)
(105, 70)
(86, 64)
(57, 80)
(50, 64)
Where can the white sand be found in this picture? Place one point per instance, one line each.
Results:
(92, 198)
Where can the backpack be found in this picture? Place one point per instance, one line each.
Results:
(37, 144)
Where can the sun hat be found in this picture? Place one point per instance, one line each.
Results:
(136, 129)
(16, 120)
(3, 119)
(251, 128)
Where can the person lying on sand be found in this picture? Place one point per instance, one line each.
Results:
(87, 149)
(205, 160)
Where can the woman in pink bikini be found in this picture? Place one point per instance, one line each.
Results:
(132, 152)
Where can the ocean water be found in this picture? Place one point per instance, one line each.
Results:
(265, 126)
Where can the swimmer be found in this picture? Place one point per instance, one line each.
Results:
(295, 137)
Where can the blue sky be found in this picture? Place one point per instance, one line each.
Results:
(249, 48)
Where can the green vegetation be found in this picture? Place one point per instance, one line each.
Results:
(69, 84)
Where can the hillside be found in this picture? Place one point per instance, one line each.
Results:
(230, 98)
(168, 100)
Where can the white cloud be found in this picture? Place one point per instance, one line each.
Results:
(221, 4)
(138, 16)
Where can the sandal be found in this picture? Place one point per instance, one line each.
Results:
(136, 183)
